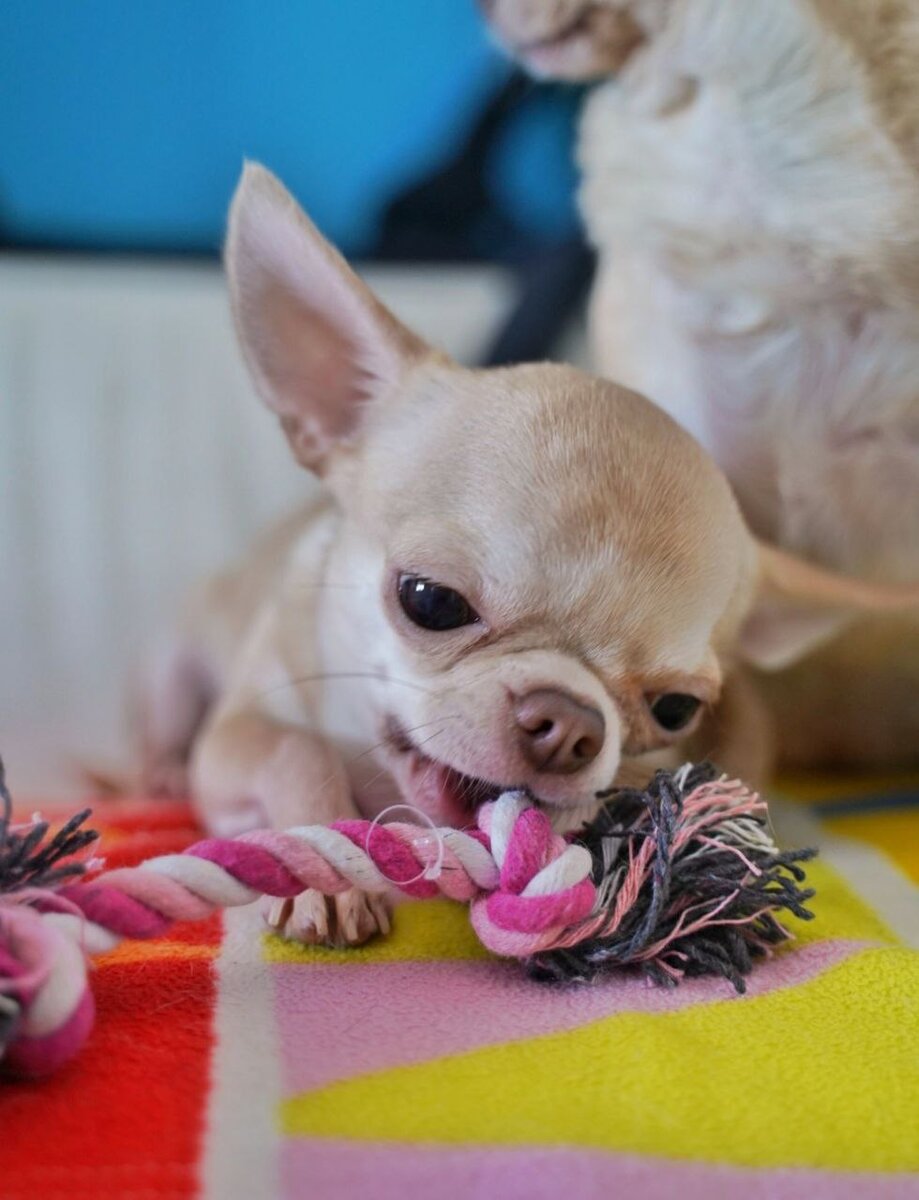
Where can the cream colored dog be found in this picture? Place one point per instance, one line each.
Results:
(751, 181)
(515, 578)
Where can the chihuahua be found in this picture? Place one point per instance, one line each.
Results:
(523, 577)
(751, 183)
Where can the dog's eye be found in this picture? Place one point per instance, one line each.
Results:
(434, 606)
(674, 710)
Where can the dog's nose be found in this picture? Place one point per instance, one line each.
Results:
(558, 734)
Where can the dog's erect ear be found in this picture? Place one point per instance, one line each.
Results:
(800, 606)
(318, 343)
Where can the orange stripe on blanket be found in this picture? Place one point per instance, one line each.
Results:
(140, 952)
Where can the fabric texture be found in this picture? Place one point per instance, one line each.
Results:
(227, 1063)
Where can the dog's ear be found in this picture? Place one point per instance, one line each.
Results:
(318, 343)
(800, 606)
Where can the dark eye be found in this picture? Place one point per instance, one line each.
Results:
(434, 606)
(674, 710)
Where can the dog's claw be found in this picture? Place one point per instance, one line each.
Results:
(358, 917)
(277, 913)
(380, 914)
(348, 919)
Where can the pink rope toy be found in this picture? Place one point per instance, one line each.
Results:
(681, 879)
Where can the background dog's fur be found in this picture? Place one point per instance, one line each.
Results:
(751, 182)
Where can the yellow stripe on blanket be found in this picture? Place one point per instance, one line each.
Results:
(839, 912)
(815, 1075)
(821, 789)
(439, 929)
(896, 832)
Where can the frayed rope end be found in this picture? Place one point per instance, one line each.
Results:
(689, 882)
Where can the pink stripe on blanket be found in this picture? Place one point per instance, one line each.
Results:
(345, 1170)
(375, 1016)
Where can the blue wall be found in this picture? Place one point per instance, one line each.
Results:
(123, 123)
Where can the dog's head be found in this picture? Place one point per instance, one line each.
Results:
(545, 572)
(574, 39)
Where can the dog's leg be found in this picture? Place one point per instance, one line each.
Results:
(248, 769)
(173, 692)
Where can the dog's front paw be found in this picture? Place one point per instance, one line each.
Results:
(348, 919)
(358, 917)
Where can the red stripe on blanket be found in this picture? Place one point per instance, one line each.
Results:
(130, 1108)
(127, 1116)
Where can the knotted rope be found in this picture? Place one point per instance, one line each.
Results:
(527, 885)
(686, 879)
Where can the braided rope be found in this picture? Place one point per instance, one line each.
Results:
(527, 886)
(682, 878)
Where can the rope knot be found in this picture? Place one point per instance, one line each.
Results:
(544, 885)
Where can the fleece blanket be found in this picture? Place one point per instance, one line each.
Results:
(226, 1063)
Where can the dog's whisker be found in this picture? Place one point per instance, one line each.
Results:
(411, 729)
(324, 585)
(379, 745)
(336, 676)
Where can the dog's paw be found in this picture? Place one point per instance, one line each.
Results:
(359, 916)
(348, 919)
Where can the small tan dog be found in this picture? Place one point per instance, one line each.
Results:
(514, 578)
(751, 182)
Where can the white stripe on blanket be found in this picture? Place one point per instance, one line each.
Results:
(240, 1159)
(877, 880)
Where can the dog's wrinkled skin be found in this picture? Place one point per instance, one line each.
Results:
(751, 181)
(601, 548)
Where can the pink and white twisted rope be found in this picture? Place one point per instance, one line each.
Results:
(526, 884)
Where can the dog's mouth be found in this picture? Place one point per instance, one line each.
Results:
(446, 795)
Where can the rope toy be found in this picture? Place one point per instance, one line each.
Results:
(681, 879)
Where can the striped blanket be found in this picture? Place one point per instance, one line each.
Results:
(226, 1063)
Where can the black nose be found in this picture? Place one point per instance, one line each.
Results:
(557, 734)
